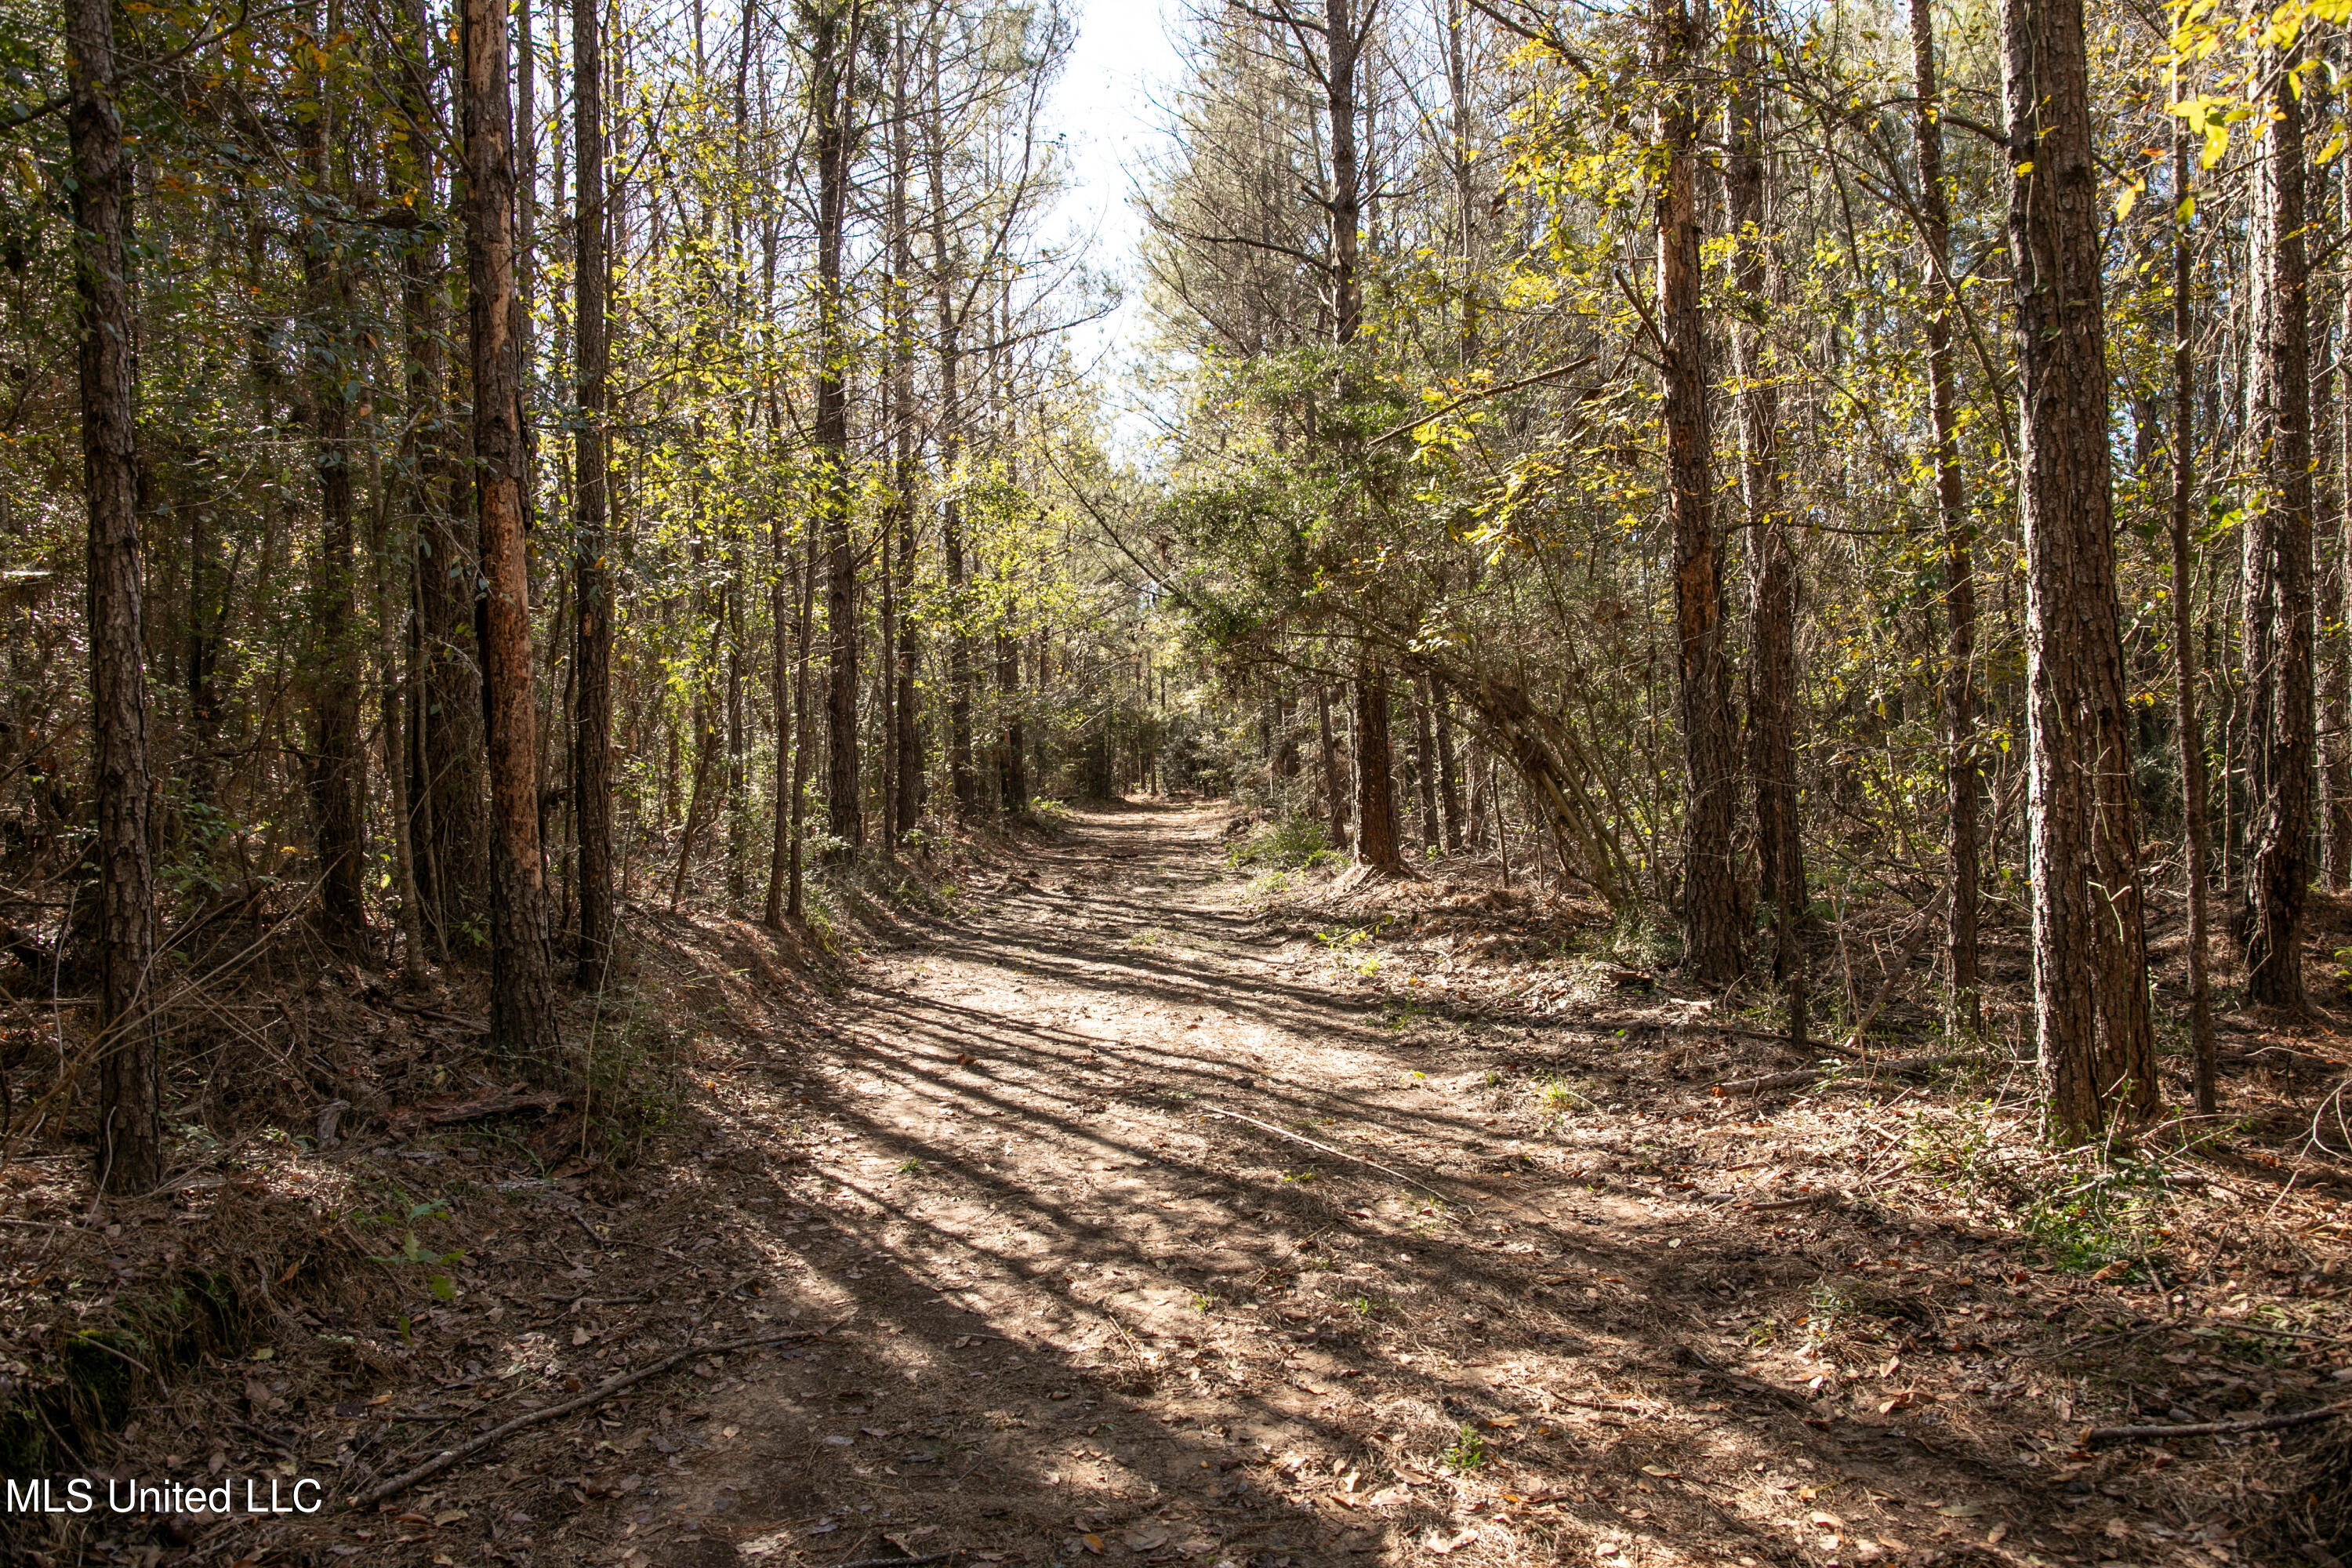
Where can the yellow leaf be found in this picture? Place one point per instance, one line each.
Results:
(2125, 200)
(2023, 169)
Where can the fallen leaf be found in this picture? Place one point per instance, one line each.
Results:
(448, 1516)
(1664, 1474)
(1145, 1539)
(580, 1335)
(1439, 1543)
(1093, 1544)
(1960, 1511)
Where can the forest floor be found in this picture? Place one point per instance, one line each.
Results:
(1136, 1209)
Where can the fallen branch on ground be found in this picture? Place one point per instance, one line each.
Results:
(1339, 1154)
(1916, 1067)
(1805, 1202)
(2212, 1428)
(602, 1392)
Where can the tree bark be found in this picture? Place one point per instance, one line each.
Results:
(2090, 952)
(2278, 535)
(1960, 781)
(1772, 562)
(962, 782)
(592, 598)
(1376, 827)
(833, 46)
(129, 1130)
(2186, 672)
(523, 1025)
(1710, 886)
(1424, 764)
(2335, 676)
(1335, 793)
(336, 762)
(1449, 769)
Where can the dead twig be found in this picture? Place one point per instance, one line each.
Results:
(2212, 1428)
(1916, 1067)
(1336, 1153)
(602, 1392)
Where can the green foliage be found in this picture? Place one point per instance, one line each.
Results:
(1291, 844)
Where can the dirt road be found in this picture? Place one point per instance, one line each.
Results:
(1051, 1177)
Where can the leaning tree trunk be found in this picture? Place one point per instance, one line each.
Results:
(1960, 786)
(522, 988)
(2277, 534)
(2090, 950)
(1772, 562)
(130, 1125)
(1710, 886)
(592, 696)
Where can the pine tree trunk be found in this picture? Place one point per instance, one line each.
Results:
(2186, 672)
(523, 1027)
(1335, 793)
(2278, 534)
(129, 1130)
(1424, 764)
(2090, 953)
(336, 770)
(1710, 886)
(592, 598)
(1960, 782)
(834, 44)
(961, 780)
(1449, 769)
(1772, 562)
(1376, 828)
(2335, 676)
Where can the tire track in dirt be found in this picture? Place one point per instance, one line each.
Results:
(1084, 1317)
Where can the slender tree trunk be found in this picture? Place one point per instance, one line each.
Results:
(961, 780)
(1013, 777)
(780, 693)
(2278, 532)
(834, 48)
(523, 1027)
(1424, 765)
(1376, 825)
(1960, 783)
(1449, 769)
(1772, 562)
(335, 761)
(592, 716)
(130, 1131)
(907, 762)
(1335, 793)
(2184, 632)
(2334, 677)
(393, 710)
(1710, 886)
(796, 905)
(2090, 952)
